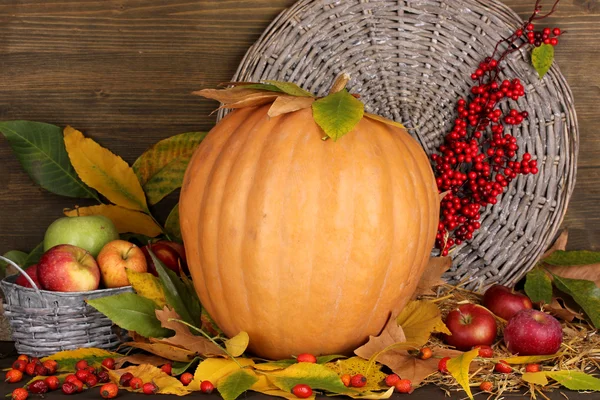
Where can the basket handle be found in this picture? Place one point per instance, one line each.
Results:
(26, 275)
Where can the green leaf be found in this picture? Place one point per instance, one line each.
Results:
(542, 58)
(290, 88)
(192, 301)
(538, 286)
(338, 113)
(172, 224)
(161, 168)
(35, 255)
(132, 312)
(326, 359)
(41, 150)
(261, 86)
(316, 376)
(68, 358)
(585, 293)
(530, 359)
(179, 368)
(575, 380)
(176, 292)
(16, 256)
(569, 258)
(236, 383)
(458, 367)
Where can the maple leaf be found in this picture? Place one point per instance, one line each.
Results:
(183, 337)
(432, 276)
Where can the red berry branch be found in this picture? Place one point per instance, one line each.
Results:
(478, 158)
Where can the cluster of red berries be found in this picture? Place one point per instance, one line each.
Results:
(478, 157)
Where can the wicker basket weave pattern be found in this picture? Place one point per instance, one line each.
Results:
(410, 61)
(45, 322)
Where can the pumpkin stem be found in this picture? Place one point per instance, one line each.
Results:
(340, 83)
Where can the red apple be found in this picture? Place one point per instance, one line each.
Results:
(470, 325)
(32, 272)
(505, 302)
(68, 268)
(115, 258)
(532, 332)
(169, 253)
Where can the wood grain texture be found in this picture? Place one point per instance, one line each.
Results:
(122, 72)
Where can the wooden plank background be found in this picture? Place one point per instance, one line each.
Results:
(122, 72)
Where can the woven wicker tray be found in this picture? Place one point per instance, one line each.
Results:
(410, 61)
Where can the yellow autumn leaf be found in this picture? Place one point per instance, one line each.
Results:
(458, 367)
(213, 369)
(236, 346)
(264, 386)
(373, 395)
(104, 171)
(419, 319)
(125, 220)
(384, 120)
(147, 285)
(530, 359)
(68, 358)
(357, 365)
(148, 373)
(538, 378)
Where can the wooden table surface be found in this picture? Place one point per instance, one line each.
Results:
(122, 72)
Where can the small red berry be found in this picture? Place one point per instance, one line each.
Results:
(503, 367)
(70, 378)
(167, 368)
(38, 387)
(91, 380)
(19, 365)
(125, 379)
(306, 357)
(53, 382)
(358, 381)
(532, 368)
(556, 31)
(51, 365)
(404, 386)
(78, 384)
(19, 394)
(553, 41)
(529, 27)
(425, 353)
(486, 386)
(23, 358)
(346, 379)
(186, 378)
(30, 369)
(302, 391)
(207, 387)
(485, 351)
(109, 391)
(82, 374)
(41, 370)
(35, 360)
(91, 370)
(81, 364)
(13, 376)
(391, 380)
(442, 365)
(108, 363)
(68, 388)
(149, 388)
(136, 383)
(103, 377)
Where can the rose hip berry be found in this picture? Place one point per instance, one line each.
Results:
(425, 353)
(38, 387)
(108, 363)
(13, 376)
(306, 357)
(207, 387)
(302, 391)
(81, 364)
(70, 378)
(41, 370)
(51, 365)
(19, 394)
(442, 365)
(358, 381)
(391, 380)
(30, 369)
(91, 381)
(78, 384)
(404, 386)
(346, 378)
(167, 368)
(486, 386)
(125, 379)
(485, 351)
(186, 378)
(53, 382)
(136, 383)
(82, 374)
(532, 368)
(149, 388)
(109, 391)
(23, 358)
(503, 367)
(19, 365)
(68, 388)
(103, 377)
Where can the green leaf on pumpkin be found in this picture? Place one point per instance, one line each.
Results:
(572, 258)
(585, 293)
(338, 113)
(542, 58)
(538, 286)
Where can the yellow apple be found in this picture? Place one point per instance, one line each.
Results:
(117, 256)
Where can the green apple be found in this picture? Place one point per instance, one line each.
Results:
(90, 232)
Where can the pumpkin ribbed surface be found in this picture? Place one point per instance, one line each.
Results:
(305, 244)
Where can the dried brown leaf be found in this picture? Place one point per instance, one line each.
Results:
(392, 333)
(587, 272)
(138, 359)
(166, 350)
(433, 275)
(183, 337)
(239, 97)
(288, 104)
(410, 367)
(559, 244)
(560, 309)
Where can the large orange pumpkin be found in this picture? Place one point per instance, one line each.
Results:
(305, 244)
